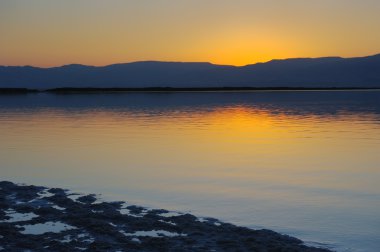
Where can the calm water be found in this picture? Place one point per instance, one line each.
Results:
(302, 163)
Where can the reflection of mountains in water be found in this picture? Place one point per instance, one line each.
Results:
(304, 72)
(288, 102)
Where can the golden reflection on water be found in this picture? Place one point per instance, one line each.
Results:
(237, 143)
(314, 175)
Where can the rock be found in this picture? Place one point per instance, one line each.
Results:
(101, 226)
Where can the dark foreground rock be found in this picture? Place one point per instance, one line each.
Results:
(41, 219)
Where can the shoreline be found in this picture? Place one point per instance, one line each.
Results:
(54, 219)
(89, 90)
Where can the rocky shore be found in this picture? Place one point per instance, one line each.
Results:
(34, 218)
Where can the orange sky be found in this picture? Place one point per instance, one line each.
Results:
(94, 32)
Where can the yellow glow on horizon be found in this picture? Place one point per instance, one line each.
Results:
(94, 32)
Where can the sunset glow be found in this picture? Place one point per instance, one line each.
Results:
(190, 125)
(50, 33)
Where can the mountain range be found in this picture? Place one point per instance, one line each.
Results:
(337, 72)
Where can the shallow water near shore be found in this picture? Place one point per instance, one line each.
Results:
(301, 163)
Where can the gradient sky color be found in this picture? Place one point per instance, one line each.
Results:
(95, 32)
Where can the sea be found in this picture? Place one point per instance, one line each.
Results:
(302, 163)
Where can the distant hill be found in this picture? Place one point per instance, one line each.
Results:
(301, 72)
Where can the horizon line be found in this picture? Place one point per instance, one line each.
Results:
(191, 62)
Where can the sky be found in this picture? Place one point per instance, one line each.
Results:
(235, 32)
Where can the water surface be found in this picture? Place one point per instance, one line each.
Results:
(302, 163)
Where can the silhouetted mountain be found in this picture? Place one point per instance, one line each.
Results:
(302, 72)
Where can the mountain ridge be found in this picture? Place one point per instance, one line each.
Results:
(294, 72)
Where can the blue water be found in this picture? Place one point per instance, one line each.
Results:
(301, 163)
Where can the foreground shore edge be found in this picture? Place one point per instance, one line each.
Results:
(36, 218)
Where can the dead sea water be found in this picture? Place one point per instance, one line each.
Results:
(302, 163)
